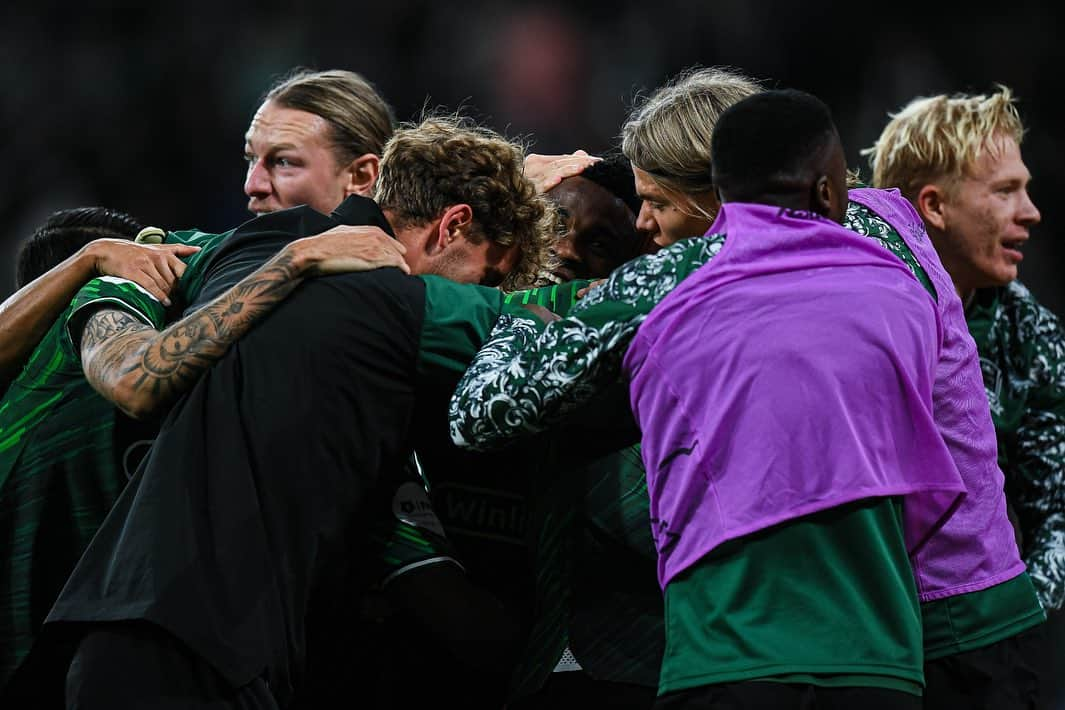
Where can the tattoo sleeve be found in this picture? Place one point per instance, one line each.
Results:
(143, 370)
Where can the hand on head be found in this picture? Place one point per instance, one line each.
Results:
(547, 171)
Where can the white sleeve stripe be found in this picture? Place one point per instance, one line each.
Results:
(134, 284)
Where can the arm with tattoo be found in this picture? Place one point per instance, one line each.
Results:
(28, 314)
(143, 370)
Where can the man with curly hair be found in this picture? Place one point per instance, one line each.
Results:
(276, 449)
(452, 171)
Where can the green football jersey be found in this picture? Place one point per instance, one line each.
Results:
(65, 453)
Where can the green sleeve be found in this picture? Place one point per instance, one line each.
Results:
(458, 318)
(528, 376)
(112, 292)
(128, 296)
(558, 298)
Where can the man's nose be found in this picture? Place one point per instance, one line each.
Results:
(257, 182)
(565, 250)
(645, 222)
(1029, 213)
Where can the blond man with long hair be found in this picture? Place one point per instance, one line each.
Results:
(316, 137)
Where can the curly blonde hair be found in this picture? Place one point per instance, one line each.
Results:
(448, 160)
(938, 138)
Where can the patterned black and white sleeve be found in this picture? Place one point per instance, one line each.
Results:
(527, 376)
(1039, 480)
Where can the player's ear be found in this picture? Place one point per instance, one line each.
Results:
(930, 205)
(455, 222)
(362, 175)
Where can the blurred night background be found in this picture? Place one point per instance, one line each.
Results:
(143, 107)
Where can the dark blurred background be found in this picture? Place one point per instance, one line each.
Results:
(143, 107)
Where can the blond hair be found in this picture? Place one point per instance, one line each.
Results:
(448, 160)
(360, 120)
(667, 134)
(940, 138)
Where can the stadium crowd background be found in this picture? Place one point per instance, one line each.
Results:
(143, 107)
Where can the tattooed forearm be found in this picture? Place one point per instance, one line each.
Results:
(106, 333)
(143, 370)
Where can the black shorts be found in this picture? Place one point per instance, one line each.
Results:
(766, 695)
(1002, 676)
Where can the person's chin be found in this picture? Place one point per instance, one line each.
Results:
(663, 241)
(1005, 273)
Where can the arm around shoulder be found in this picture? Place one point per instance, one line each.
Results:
(28, 314)
(143, 370)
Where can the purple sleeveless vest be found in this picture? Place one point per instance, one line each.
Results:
(792, 374)
(976, 547)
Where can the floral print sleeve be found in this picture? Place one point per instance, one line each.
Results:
(1022, 355)
(1041, 465)
(528, 376)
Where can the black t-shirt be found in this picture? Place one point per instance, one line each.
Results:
(246, 512)
(257, 240)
